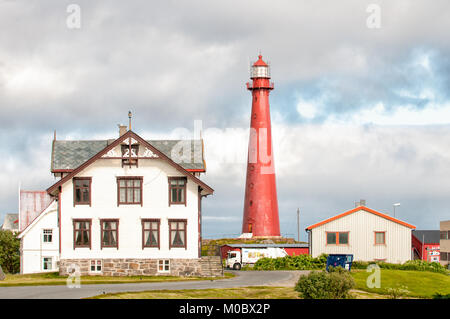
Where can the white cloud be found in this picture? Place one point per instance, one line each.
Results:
(34, 79)
(306, 109)
(404, 115)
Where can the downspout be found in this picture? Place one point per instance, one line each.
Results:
(59, 220)
(40, 250)
(309, 241)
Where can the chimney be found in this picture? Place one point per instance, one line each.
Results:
(122, 129)
(362, 202)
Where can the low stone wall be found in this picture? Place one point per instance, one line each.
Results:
(208, 266)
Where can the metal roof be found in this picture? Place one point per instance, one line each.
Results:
(68, 155)
(357, 210)
(268, 245)
(11, 222)
(431, 236)
(32, 203)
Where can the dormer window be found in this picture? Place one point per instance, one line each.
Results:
(130, 154)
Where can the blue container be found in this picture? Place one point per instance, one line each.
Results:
(336, 260)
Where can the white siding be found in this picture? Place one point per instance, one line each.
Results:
(155, 194)
(362, 226)
(33, 247)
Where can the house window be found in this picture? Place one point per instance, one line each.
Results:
(343, 238)
(331, 239)
(177, 190)
(380, 238)
(337, 238)
(177, 233)
(444, 256)
(129, 190)
(82, 191)
(47, 263)
(164, 265)
(110, 232)
(150, 233)
(82, 233)
(47, 235)
(96, 266)
(445, 235)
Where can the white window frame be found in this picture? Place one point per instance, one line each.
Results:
(48, 263)
(96, 263)
(165, 263)
(44, 234)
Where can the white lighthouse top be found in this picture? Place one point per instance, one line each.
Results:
(260, 69)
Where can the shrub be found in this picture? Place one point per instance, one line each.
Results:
(418, 265)
(9, 252)
(440, 296)
(300, 262)
(335, 284)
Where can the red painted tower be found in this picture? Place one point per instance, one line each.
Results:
(261, 204)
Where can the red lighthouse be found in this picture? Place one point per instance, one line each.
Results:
(261, 204)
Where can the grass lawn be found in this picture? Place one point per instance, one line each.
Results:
(54, 279)
(261, 292)
(230, 293)
(421, 284)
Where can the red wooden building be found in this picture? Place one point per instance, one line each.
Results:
(426, 245)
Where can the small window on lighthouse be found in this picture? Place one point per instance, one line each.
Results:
(250, 230)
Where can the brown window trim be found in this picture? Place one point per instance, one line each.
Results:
(75, 188)
(337, 238)
(184, 190)
(185, 233)
(375, 238)
(74, 233)
(118, 179)
(151, 220)
(117, 233)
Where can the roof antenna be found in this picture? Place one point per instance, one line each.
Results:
(129, 117)
(54, 135)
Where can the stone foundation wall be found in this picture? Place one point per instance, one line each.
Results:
(208, 266)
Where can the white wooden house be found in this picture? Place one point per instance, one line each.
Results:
(367, 234)
(128, 206)
(39, 245)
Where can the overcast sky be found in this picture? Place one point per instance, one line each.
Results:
(358, 112)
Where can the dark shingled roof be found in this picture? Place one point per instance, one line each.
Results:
(431, 236)
(71, 154)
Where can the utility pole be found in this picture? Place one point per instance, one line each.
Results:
(298, 224)
(395, 205)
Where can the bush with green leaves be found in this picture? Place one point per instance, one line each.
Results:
(419, 265)
(9, 252)
(300, 262)
(335, 284)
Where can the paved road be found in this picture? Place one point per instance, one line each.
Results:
(242, 279)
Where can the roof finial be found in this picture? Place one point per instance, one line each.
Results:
(129, 117)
